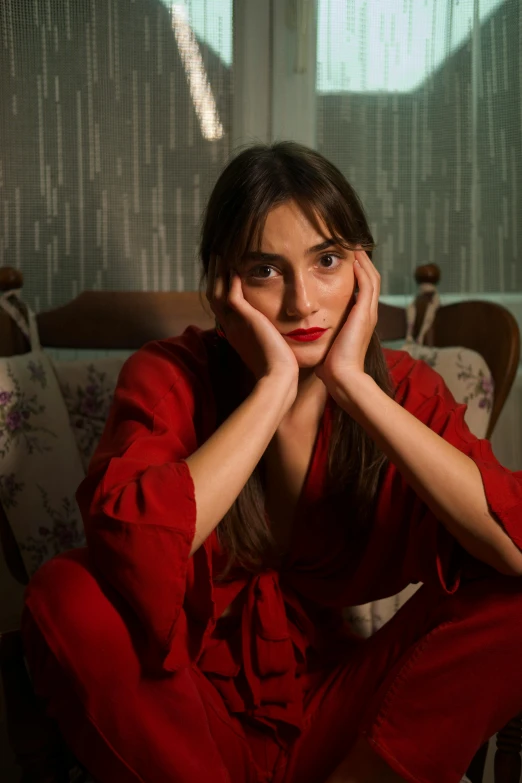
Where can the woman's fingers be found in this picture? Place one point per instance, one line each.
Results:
(224, 292)
(365, 296)
(213, 291)
(235, 296)
(220, 287)
(374, 279)
(369, 268)
(217, 284)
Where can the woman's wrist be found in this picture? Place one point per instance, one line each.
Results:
(354, 391)
(280, 388)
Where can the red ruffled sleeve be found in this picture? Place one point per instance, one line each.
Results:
(138, 502)
(422, 391)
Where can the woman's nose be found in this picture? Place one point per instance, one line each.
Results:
(300, 298)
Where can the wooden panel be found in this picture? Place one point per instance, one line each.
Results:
(122, 319)
(391, 322)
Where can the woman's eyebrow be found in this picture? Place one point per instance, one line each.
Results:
(257, 255)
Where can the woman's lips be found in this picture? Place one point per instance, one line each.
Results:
(305, 335)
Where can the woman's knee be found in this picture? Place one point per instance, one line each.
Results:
(69, 612)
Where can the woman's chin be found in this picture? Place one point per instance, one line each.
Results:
(310, 356)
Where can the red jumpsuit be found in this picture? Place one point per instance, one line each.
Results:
(148, 684)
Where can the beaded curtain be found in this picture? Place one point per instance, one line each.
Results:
(419, 104)
(114, 124)
(115, 120)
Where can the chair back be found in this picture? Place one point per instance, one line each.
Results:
(485, 327)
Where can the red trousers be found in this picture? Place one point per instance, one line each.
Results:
(440, 678)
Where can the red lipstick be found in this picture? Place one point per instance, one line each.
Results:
(306, 335)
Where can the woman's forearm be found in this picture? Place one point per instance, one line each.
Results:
(223, 464)
(447, 480)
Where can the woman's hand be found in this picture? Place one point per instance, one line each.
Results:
(259, 344)
(345, 358)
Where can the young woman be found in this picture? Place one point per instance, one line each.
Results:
(250, 483)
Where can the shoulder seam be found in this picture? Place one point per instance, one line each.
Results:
(170, 389)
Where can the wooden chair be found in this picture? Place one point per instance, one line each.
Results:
(126, 320)
(484, 327)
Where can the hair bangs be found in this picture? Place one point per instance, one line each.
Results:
(324, 207)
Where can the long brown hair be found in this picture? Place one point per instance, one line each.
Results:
(254, 182)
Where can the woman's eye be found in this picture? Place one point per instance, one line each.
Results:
(258, 271)
(330, 260)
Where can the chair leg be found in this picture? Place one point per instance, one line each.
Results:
(507, 757)
(35, 738)
(475, 771)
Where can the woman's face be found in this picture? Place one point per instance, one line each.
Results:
(299, 279)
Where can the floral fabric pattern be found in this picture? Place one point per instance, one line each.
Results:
(468, 378)
(480, 385)
(51, 419)
(19, 410)
(9, 489)
(40, 466)
(60, 534)
(88, 387)
(38, 373)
